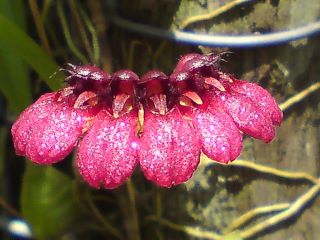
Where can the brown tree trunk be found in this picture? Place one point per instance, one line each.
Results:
(217, 195)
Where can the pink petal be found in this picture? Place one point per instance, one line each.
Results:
(24, 126)
(261, 97)
(170, 149)
(107, 155)
(55, 135)
(246, 114)
(220, 137)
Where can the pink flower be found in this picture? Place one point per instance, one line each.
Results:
(47, 131)
(169, 151)
(161, 123)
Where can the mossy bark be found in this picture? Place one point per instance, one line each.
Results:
(217, 194)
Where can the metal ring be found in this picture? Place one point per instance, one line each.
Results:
(234, 41)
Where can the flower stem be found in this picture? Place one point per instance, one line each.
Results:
(134, 214)
(94, 36)
(102, 219)
(82, 31)
(100, 23)
(68, 36)
(39, 25)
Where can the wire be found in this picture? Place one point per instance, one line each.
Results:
(234, 41)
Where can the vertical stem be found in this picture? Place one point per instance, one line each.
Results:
(80, 26)
(67, 34)
(93, 32)
(134, 215)
(101, 25)
(114, 231)
(158, 52)
(3, 204)
(159, 211)
(133, 45)
(39, 25)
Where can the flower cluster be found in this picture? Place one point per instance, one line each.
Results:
(157, 121)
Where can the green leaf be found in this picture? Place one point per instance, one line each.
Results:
(15, 39)
(47, 201)
(14, 81)
(14, 74)
(14, 10)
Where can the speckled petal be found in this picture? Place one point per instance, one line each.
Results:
(220, 138)
(261, 97)
(170, 149)
(24, 126)
(57, 134)
(246, 114)
(107, 155)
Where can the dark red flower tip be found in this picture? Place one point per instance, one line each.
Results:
(154, 92)
(124, 82)
(191, 65)
(87, 77)
(160, 122)
(123, 87)
(86, 73)
(184, 59)
(204, 64)
(154, 75)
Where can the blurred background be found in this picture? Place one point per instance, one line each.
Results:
(270, 193)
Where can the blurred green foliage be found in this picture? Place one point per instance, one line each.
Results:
(14, 80)
(47, 201)
(52, 199)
